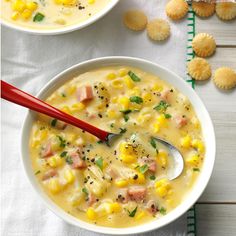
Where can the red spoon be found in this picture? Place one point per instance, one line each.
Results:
(15, 95)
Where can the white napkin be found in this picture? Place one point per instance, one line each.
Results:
(29, 61)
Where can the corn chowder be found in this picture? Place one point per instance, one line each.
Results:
(126, 184)
(46, 14)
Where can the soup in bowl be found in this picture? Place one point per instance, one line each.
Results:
(53, 16)
(126, 185)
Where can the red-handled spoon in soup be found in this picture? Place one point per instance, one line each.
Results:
(15, 95)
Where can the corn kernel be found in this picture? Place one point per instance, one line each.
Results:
(91, 214)
(193, 160)
(198, 144)
(121, 183)
(60, 21)
(140, 215)
(66, 109)
(91, 1)
(32, 6)
(156, 127)
(54, 185)
(116, 207)
(35, 143)
(162, 182)
(55, 161)
(161, 120)
(126, 158)
(68, 2)
(195, 122)
(162, 158)
(26, 14)
(43, 134)
(157, 87)
(186, 141)
(147, 97)
(136, 91)
(124, 101)
(71, 89)
(114, 100)
(117, 84)
(69, 176)
(122, 72)
(15, 15)
(77, 107)
(140, 180)
(162, 191)
(18, 5)
(111, 114)
(111, 76)
(129, 83)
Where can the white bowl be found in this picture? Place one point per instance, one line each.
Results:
(164, 74)
(66, 29)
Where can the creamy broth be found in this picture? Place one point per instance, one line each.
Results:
(126, 184)
(46, 14)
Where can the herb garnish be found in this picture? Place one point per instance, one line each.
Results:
(38, 17)
(162, 106)
(62, 141)
(196, 169)
(99, 163)
(153, 143)
(99, 142)
(162, 211)
(126, 112)
(53, 122)
(85, 191)
(152, 177)
(136, 99)
(126, 118)
(63, 95)
(134, 77)
(122, 131)
(112, 125)
(37, 172)
(133, 212)
(167, 116)
(63, 154)
(69, 160)
(143, 168)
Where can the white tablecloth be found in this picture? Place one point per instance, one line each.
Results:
(29, 61)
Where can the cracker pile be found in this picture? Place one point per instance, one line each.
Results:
(203, 44)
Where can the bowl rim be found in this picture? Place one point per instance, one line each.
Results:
(62, 30)
(196, 190)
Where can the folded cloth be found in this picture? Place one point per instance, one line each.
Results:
(29, 61)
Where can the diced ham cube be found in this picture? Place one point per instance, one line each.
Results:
(84, 93)
(180, 121)
(152, 207)
(47, 150)
(150, 162)
(78, 162)
(166, 95)
(137, 193)
(122, 196)
(49, 174)
(91, 199)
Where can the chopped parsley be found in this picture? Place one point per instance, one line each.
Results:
(162, 211)
(126, 112)
(99, 142)
(38, 17)
(99, 163)
(196, 169)
(63, 154)
(62, 141)
(153, 143)
(85, 191)
(162, 106)
(37, 172)
(152, 177)
(63, 95)
(168, 116)
(112, 125)
(134, 77)
(133, 212)
(122, 131)
(126, 118)
(136, 99)
(143, 168)
(69, 160)
(53, 122)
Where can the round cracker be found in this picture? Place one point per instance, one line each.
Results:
(176, 9)
(135, 20)
(158, 29)
(203, 9)
(199, 69)
(204, 45)
(225, 78)
(226, 10)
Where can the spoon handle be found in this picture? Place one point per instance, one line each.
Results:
(15, 95)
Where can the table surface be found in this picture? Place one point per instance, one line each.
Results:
(216, 209)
